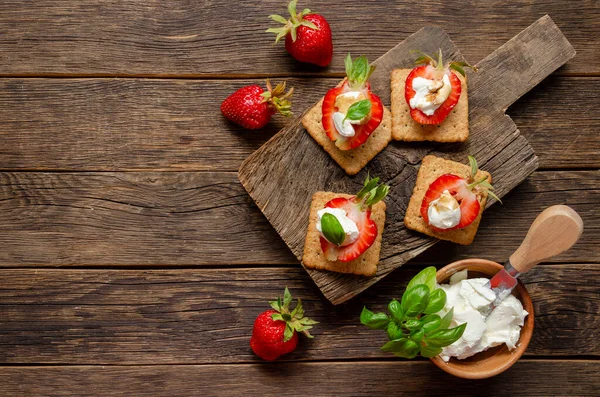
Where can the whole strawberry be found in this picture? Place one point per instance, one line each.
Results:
(275, 331)
(307, 35)
(252, 107)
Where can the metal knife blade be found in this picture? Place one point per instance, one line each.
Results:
(504, 282)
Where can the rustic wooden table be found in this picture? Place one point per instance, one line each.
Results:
(134, 263)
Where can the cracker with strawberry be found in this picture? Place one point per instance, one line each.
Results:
(430, 101)
(344, 231)
(448, 199)
(350, 122)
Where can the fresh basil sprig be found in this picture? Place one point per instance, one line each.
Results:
(412, 325)
(332, 229)
(358, 111)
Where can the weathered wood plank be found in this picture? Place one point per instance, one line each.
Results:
(188, 218)
(128, 124)
(191, 38)
(197, 316)
(165, 124)
(284, 173)
(555, 123)
(527, 378)
(143, 218)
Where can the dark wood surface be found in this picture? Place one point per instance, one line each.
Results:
(132, 262)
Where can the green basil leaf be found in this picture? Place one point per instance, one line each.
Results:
(430, 322)
(394, 331)
(413, 324)
(430, 351)
(415, 300)
(437, 300)
(425, 276)
(418, 335)
(374, 320)
(358, 110)
(395, 310)
(402, 348)
(447, 319)
(332, 229)
(445, 337)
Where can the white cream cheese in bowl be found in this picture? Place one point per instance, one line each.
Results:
(487, 327)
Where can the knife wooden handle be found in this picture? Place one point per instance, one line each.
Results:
(553, 232)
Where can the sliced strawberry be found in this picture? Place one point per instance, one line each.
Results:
(432, 73)
(358, 209)
(367, 230)
(329, 109)
(362, 131)
(467, 192)
(457, 187)
(358, 72)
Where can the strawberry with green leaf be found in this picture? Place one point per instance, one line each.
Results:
(276, 331)
(351, 112)
(433, 89)
(307, 35)
(252, 107)
(358, 208)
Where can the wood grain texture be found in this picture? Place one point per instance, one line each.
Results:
(191, 38)
(199, 316)
(144, 218)
(140, 124)
(196, 219)
(527, 378)
(282, 175)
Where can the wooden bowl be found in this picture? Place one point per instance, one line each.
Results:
(497, 359)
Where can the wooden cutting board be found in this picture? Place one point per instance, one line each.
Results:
(283, 174)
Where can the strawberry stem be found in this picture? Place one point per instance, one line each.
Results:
(426, 59)
(483, 183)
(358, 71)
(278, 99)
(295, 320)
(372, 192)
(291, 25)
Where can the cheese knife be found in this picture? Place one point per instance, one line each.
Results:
(553, 232)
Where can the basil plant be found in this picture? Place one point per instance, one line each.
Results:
(412, 325)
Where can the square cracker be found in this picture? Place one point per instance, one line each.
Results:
(455, 128)
(353, 160)
(314, 258)
(431, 168)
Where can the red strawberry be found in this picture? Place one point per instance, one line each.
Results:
(307, 35)
(434, 70)
(365, 119)
(358, 209)
(252, 107)
(468, 193)
(275, 331)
